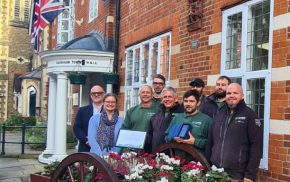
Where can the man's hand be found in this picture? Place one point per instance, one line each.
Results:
(247, 180)
(187, 141)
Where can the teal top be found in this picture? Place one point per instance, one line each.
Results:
(137, 118)
(200, 127)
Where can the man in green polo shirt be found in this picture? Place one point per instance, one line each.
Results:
(137, 118)
(200, 122)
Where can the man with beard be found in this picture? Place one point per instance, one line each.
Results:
(198, 85)
(235, 140)
(137, 117)
(161, 120)
(200, 122)
(158, 86)
(216, 100)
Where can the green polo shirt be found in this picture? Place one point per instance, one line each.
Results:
(200, 127)
(137, 118)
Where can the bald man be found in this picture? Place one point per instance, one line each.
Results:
(235, 140)
(83, 116)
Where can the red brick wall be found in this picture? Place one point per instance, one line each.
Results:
(279, 160)
(99, 23)
(143, 19)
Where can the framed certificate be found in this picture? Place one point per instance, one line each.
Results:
(131, 139)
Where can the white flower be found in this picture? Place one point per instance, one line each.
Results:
(166, 168)
(214, 168)
(133, 176)
(91, 168)
(193, 172)
(163, 179)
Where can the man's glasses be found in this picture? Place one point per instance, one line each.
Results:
(158, 83)
(97, 93)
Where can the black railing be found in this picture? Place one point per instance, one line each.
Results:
(23, 128)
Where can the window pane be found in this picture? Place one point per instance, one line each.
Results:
(144, 64)
(26, 10)
(255, 95)
(131, 97)
(65, 14)
(128, 98)
(154, 60)
(233, 37)
(64, 37)
(129, 67)
(64, 25)
(164, 56)
(93, 9)
(258, 36)
(17, 10)
(135, 98)
(236, 80)
(136, 65)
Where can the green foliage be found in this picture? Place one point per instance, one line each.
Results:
(70, 137)
(220, 176)
(197, 178)
(18, 120)
(50, 168)
(38, 135)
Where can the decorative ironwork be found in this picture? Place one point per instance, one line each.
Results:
(195, 15)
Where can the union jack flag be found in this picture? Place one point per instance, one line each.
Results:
(44, 12)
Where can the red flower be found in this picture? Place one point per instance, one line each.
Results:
(152, 163)
(192, 165)
(114, 156)
(165, 174)
(99, 176)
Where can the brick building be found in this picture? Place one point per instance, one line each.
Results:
(245, 40)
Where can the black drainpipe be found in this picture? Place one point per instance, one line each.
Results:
(116, 38)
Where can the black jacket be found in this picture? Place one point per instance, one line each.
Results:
(159, 124)
(210, 107)
(235, 142)
(80, 127)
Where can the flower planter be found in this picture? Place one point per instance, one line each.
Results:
(77, 78)
(39, 178)
(111, 78)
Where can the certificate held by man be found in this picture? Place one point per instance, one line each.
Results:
(131, 139)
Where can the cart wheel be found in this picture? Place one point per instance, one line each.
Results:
(170, 148)
(84, 166)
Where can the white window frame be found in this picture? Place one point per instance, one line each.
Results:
(149, 81)
(93, 10)
(243, 73)
(70, 19)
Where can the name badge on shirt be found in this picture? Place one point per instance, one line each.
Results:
(196, 124)
(240, 120)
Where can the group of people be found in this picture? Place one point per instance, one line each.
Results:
(223, 128)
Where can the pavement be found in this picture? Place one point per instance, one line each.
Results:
(16, 167)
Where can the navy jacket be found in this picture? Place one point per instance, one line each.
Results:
(235, 142)
(210, 107)
(81, 126)
(159, 124)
